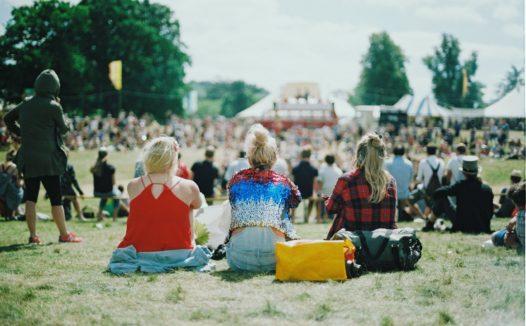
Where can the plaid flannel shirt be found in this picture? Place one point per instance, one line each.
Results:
(350, 202)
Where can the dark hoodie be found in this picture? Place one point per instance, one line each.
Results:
(40, 123)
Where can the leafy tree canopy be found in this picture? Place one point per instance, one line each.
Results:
(226, 98)
(79, 41)
(453, 83)
(383, 79)
(513, 79)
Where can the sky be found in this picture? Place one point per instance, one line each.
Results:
(272, 42)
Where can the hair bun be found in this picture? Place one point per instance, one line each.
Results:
(260, 138)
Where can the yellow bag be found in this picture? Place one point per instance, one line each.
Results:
(312, 260)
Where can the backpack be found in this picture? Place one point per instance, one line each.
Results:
(384, 249)
(434, 182)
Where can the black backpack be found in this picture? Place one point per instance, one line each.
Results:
(434, 182)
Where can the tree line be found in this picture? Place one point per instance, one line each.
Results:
(79, 41)
(383, 78)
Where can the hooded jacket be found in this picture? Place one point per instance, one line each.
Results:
(40, 123)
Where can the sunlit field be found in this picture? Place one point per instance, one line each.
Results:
(456, 282)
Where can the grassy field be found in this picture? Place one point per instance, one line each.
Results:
(456, 282)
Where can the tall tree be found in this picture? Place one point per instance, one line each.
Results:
(453, 83)
(79, 42)
(514, 78)
(383, 79)
(44, 35)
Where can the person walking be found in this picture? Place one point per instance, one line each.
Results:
(305, 175)
(42, 156)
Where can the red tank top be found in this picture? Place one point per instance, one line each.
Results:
(157, 224)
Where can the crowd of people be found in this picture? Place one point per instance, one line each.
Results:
(358, 187)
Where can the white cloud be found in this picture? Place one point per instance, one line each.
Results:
(453, 13)
(507, 11)
(514, 30)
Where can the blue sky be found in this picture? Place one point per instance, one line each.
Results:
(271, 42)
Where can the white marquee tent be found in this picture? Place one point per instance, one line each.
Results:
(421, 107)
(510, 106)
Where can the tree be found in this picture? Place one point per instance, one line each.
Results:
(514, 78)
(42, 36)
(383, 78)
(226, 98)
(79, 42)
(453, 84)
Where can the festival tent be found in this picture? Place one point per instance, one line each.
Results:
(510, 106)
(466, 113)
(426, 107)
(258, 109)
(263, 108)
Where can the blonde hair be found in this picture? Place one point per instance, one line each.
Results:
(260, 147)
(160, 154)
(370, 157)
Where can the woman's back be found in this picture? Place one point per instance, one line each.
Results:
(159, 220)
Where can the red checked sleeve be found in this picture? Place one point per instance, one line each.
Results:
(295, 195)
(335, 202)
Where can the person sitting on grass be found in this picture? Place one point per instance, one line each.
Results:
(512, 236)
(474, 201)
(365, 198)
(159, 232)
(261, 200)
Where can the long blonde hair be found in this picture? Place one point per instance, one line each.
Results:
(370, 158)
(261, 147)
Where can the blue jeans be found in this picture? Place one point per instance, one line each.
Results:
(253, 250)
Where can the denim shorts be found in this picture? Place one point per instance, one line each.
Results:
(253, 250)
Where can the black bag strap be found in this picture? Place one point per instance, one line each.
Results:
(433, 169)
(380, 251)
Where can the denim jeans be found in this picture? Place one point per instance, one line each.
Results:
(253, 250)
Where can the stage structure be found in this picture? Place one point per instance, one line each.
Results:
(299, 103)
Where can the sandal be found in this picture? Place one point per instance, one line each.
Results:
(35, 240)
(70, 237)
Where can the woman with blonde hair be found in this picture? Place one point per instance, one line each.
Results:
(364, 198)
(261, 200)
(159, 232)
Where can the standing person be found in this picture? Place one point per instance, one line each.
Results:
(402, 171)
(68, 181)
(260, 200)
(42, 156)
(474, 200)
(103, 182)
(305, 177)
(365, 198)
(237, 165)
(507, 207)
(159, 232)
(281, 166)
(205, 174)
(430, 171)
(328, 176)
(453, 171)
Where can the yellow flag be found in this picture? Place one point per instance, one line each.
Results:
(116, 74)
(465, 82)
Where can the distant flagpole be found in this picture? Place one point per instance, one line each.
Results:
(115, 75)
(465, 82)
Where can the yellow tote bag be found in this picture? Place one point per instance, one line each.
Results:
(312, 260)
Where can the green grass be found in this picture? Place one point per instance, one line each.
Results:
(456, 281)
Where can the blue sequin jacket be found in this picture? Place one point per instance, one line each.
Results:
(263, 198)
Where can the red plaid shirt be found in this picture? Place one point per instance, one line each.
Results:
(350, 202)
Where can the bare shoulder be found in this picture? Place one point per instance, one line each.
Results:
(134, 187)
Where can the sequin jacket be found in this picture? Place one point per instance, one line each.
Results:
(263, 198)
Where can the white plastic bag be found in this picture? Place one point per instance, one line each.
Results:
(216, 218)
